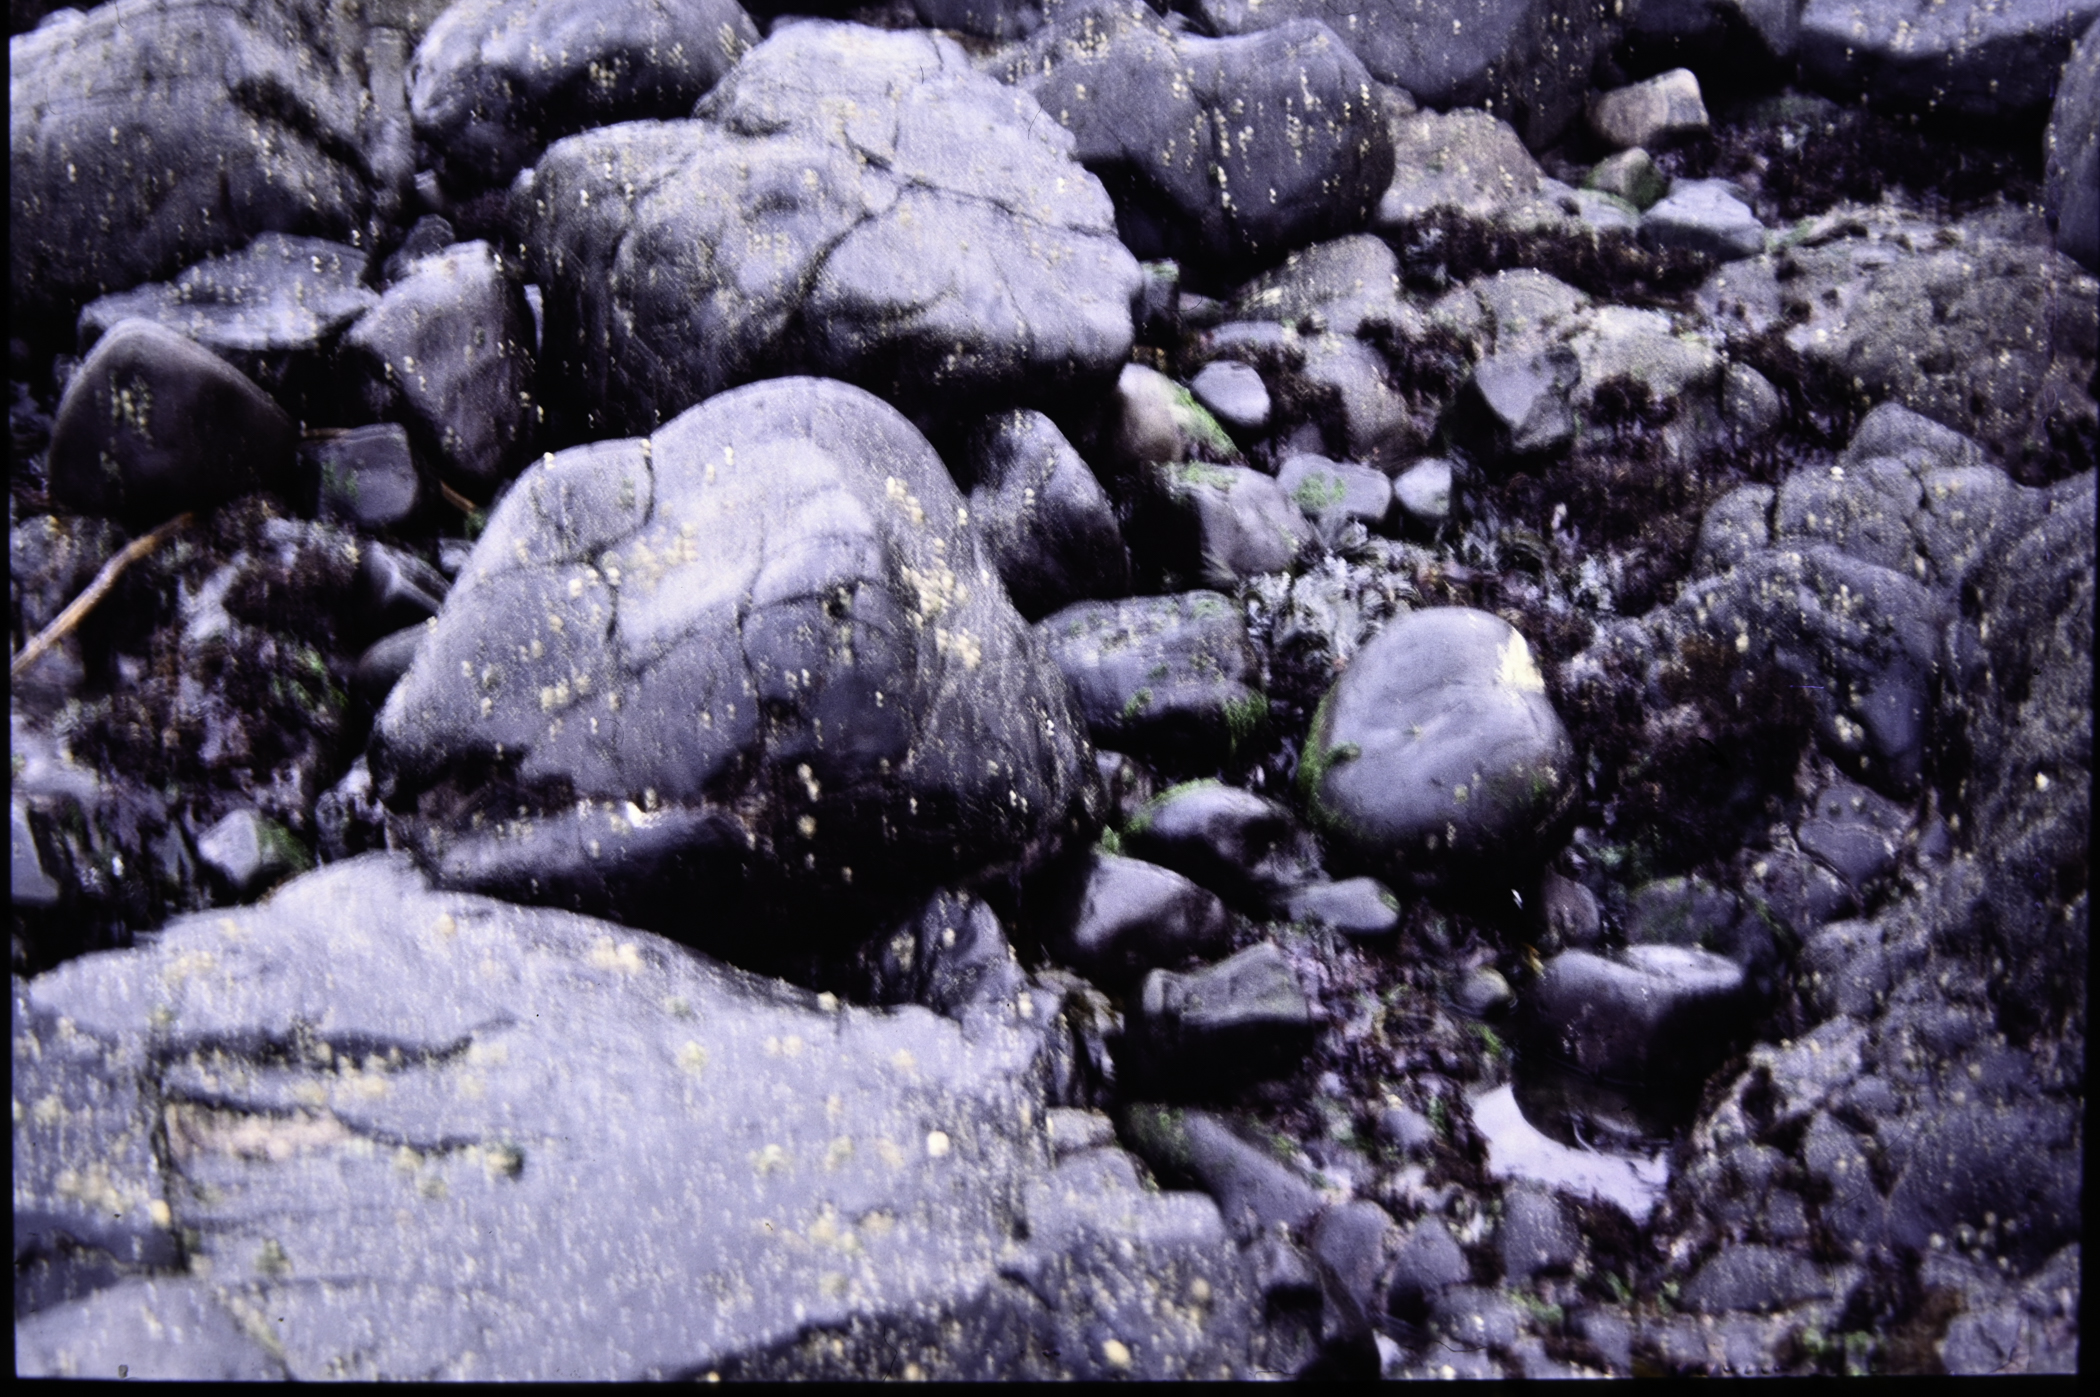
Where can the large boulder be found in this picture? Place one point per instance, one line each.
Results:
(495, 82)
(762, 641)
(2072, 155)
(153, 134)
(1527, 61)
(1438, 743)
(1972, 61)
(848, 202)
(427, 1134)
(1223, 153)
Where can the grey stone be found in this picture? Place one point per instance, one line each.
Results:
(365, 477)
(168, 1327)
(2011, 1154)
(1423, 490)
(1332, 493)
(448, 352)
(494, 82)
(1756, 1278)
(248, 851)
(1993, 62)
(1214, 526)
(1858, 833)
(1482, 993)
(1651, 1014)
(431, 235)
(152, 425)
(1242, 1019)
(274, 310)
(1536, 1237)
(29, 884)
(2071, 148)
(1366, 417)
(1437, 742)
(1798, 890)
(952, 957)
(1049, 527)
(1359, 908)
(1516, 406)
(1845, 969)
(1133, 917)
(1343, 287)
(1573, 919)
(1405, 1129)
(1705, 216)
(1352, 1245)
(348, 818)
(1231, 841)
(396, 589)
(1255, 1192)
(1693, 912)
(1750, 402)
(1464, 162)
(384, 661)
(1234, 394)
(1425, 1261)
(1863, 508)
(1473, 1317)
(1170, 678)
(1156, 419)
(1665, 108)
(1630, 175)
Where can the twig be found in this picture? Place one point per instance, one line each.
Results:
(74, 614)
(457, 500)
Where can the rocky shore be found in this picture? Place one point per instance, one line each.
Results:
(1051, 688)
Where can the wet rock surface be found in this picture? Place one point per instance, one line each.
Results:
(548, 840)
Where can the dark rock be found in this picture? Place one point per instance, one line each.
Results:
(1256, 1192)
(1215, 526)
(1756, 1278)
(1856, 832)
(1704, 216)
(274, 310)
(1133, 917)
(1074, 1131)
(1654, 113)
(1334, 493)
(1156, 419)
(953, 958)
(1840, 1176)
(1222, 153)
(30, 885)
(1481, 993)
(1167, 677)
(1751, 404)
(234, 118)
(1798, 890)
(1425, 1261)
(868, 250)
(1912, 54)
(1847, 967)
(2014, 1158)
(1693, 912)
(248, 851)
(1352, 1245)
(1737, 526)
(1406, 1130)
(495, 82)
(1573, 919)
(152, 425)
(384, 661)
(1653, 1014)
(1536, 1237)
(842, 700)
(2072, 155)
(1242, 1019)
(1515, 406)
(1231, 841)
(1359, 908)
(448, 352)
(1345, 287)
(1044, 518)
(348, 818)
(1234, 394)
(365, 477)
(396, 589)
(1474, 1318)
(431, 235)
(1463, 164)
(1437, 742)
(51, 558)
(1522, 59)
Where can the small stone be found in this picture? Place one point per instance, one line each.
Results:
(1233, 842)
(248, 851)
(1362, 909)
(1350, 1247)
(1651, 113)
(1242, 1019)
(1235, 395)
(365, 477)
(1705, 216)
(1749, 400)
(384, 661)
(1424, 491)
(1256, 1192)
(1333, 493)
(1651, 1014)
(1135, 916)
(1536, 1235)
(397, 589)
(1482, 993)
(1405, 1129)
(1630, 175)
(1516, 405)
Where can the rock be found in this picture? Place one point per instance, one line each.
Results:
(1515, 407)
(448, 352)
(534, 1098)
(1915, 55)
(1332, 494)
(1044, 519)
(1737, 526)
(1423, 490)
(383, 663)
(431, 235)
(1482, 993)
(1156, 419)
(1474, 1318)
(248, 852)
(1243, 1019)
(1133, 917)
(1536, 1237)
(2072, 155)
(1798, 890)
(1663, 109)
(866, 249)
(396, 589)
(348, 819)
(1438, 742)
(1074, 1131)
(1231, 841)
(1524, 59)
(1630, 175)
(636, 643)
(1520, 1151)
(1750, 402)
(210, 152)
(1755, 1278)
(495, 82)
(1352, 1244)
(1570, 912)
(1693, 912)
(1705, 216)
(29, 884)
(1159, 116)
(1466, 162)
(274, 310)
(1856, 832)
(1405, 1129)
(365, 477)
(1359, 908)
(1234, 394)
(169, 1327)
(152, 425)
(1654, 1015)
(1169, 677)
(1344, 287)
(953, 958)
(1425, 1261)
(1255, 1192)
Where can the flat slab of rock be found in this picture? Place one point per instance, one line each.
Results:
(434, 1134)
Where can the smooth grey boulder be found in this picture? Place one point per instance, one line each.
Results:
(1049, 527)
(395, 588)
(1155, 419)
(895, 219)
(1360, 908)
(383, 663)
(448, 353)
(495, 82)
(247, 851)
(1659, 1016)
(2071, 155)
(153, 424)
(1438, 743)
(1215, 526)
(762, 643)
(1233, 842)
(1706, 216)
(274, 310)
(365, 477)
(1756, 1278)
(1426, 1260)
(1516, 406)
(1663, 109)
(1997, 60)
(545, 1097)
(1131, 917)
(1343, 287)
(1423, 491)
(1170, 678)
(1536, 1235)
(232, 118)
(953, 958)
(1220, 1027)
(1527, 61)
(1334, 493)
(1255, 1191)
(1464, 164)
(1234, 394)
(1857, 833)
(1221, 153)
(1693, 912)
(1352, 1247)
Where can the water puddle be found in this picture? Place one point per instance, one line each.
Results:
(1517, 1149)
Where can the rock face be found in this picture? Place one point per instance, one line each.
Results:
(2072, 151)
(1437, 742)
(767, 636)
(233, 118)
(495, 82)
(898, 221)
(1980, 61)
(546, 1096)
